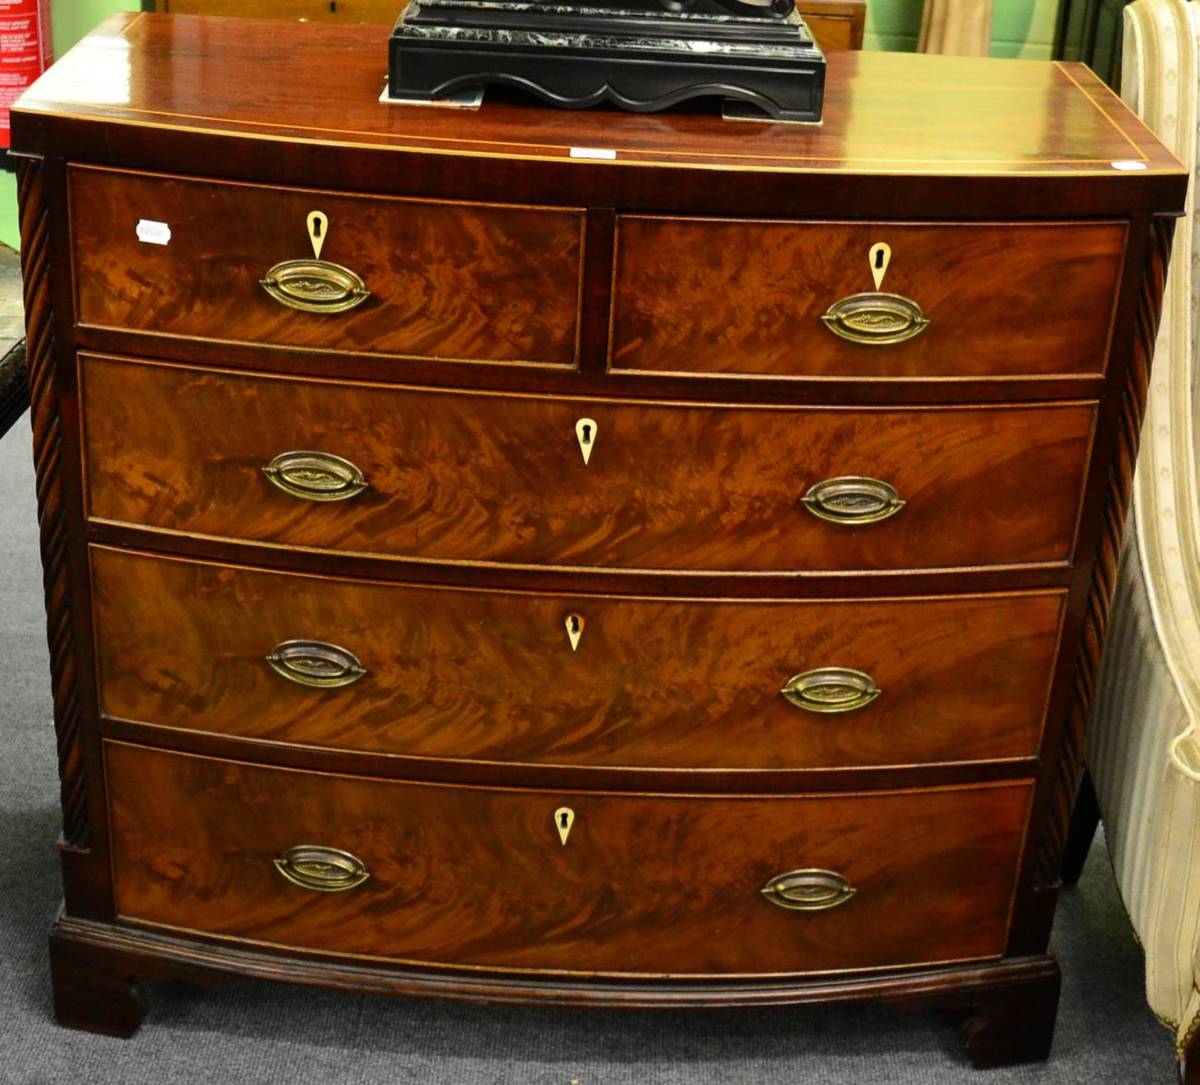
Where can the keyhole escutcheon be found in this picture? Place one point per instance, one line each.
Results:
(574, 624)
(586, 431)
(318, 228)
(564, 818)
(880, 257)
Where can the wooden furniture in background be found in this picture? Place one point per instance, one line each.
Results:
(837, 24)
(666, 577)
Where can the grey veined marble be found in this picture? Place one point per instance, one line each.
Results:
(618, 13)
(538, 39)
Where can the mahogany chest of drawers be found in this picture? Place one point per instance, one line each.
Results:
(591, 558)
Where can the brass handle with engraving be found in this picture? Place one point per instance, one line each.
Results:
(831, 690)
(853, 500)
(315, 476)
(875, 319)
(325, 870)
(808, 890)
(315, 286)
(315, 663)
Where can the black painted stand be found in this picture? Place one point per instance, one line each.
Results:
(642, 59)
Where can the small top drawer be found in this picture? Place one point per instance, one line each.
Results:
(883, 299)
(213, 260)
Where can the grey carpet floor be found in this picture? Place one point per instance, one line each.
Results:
(258, 1033)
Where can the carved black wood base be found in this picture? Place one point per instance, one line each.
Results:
(574, 56)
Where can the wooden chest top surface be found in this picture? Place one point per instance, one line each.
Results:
(885, 113)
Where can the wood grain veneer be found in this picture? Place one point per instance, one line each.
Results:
(652, 883)
(731, 297)
(501, 478)
(491, 675)
(451, 281)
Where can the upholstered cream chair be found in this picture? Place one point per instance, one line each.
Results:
(1143, 751)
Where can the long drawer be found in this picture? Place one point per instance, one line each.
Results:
(584, 680)
(521, 479)
(216, 260)
(479, 877)
(874, 299)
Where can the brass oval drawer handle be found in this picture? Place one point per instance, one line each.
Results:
(315, 663)
(852, 500)
(830, 690)
(315, 476)
(326, 870)
(808, 890)
(315, 286)
(875, 319)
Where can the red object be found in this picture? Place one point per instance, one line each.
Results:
(25, 52)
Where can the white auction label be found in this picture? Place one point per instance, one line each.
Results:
(153, 233)
(1128, 164)
(593, 152)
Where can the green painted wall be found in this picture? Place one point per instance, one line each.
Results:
(8, 209)
(1021, 28)
(74, 18)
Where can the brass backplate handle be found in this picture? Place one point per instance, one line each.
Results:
(315, 476)
(853, 500)
(315, 286)
(875, 319)
(808, 890)
(325, 870)
(315, 663)
(831, 690)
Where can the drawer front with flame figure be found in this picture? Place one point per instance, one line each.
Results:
(327, 270)
(585, 680)
(581, 882)
(879, 299)
(542, 481)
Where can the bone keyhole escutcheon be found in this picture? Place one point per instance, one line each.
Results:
(880, 257)
(574, 624)
(318, 227)
(585, 434)
(564, 818)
